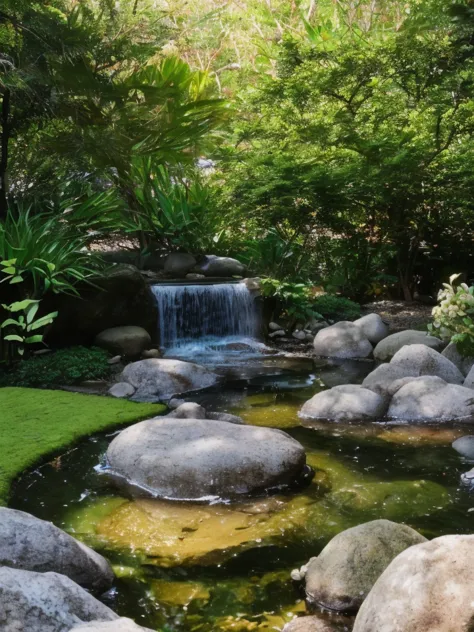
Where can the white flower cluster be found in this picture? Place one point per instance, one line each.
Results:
(453, 313)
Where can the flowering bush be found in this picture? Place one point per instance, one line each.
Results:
(453, 317)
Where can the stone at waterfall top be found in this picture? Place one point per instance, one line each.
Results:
(193, 459)
(160, 379)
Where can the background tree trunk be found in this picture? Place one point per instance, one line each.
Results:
(5, 124)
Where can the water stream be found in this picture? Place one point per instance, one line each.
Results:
(198, 568)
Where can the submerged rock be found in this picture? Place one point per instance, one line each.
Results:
(199, 458)
(465, 446)
(426, 361)
(344, 403)
(31, 544)
(427, 587)
(155, 378)
(309, 624)
(432, 399)
(45, 602)
(119, 625)
(388, 347)
(342, 340)
(373, 327)
(171, 534)
(345, 571)
(397, 500)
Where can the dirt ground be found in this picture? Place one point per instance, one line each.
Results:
(400, 314)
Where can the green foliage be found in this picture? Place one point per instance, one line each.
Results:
(336, 307)
(62, 368)
(35, 424)
(44, 251)
(453, 318)
(293, 301)
(22, 327)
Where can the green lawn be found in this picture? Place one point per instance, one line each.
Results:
(36, 423)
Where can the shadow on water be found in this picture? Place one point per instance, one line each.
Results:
(184, 567)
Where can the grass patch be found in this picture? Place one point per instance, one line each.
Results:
(36, 423)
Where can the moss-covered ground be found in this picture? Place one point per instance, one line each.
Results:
(36, 423)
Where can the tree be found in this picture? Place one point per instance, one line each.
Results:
(368, 138)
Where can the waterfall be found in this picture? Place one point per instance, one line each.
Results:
(205, 315)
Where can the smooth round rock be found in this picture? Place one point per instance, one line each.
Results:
(464, 363)
(388, 347)
(161, 379)
(342, 340)
(213, 266)
(346, 569)
(426, 361)
(121, 390)
(427, 588)
(188, 410)
(45, 602)
(465, 446)
(384, 379)
(348, 402)
(179, 264)
(432, 399)
(201, 458)
(126, 341)
(373, 327)
(31, 544)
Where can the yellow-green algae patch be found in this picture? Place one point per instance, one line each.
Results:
(35, 423)
(265, 409)
(174, 534)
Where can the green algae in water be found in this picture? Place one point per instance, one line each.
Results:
(362, 473)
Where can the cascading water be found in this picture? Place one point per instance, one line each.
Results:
(197, 320)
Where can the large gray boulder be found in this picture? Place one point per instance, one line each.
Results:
(157, 378)
(464, 363)
(31, 544)
(346, 569)
(388, 347)
(128, 341)
(348, 402)
(202, 458)
(342, 340)
(432, 399)
(119, 625)
(385, 379)
(45, 602)
(213, 266)
(427, 588)
(426, 361)
(373, 327)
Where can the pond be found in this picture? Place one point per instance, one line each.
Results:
(202, 568)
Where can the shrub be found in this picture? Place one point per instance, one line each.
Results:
(65, 367)
(453, 318)
(336, 307)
